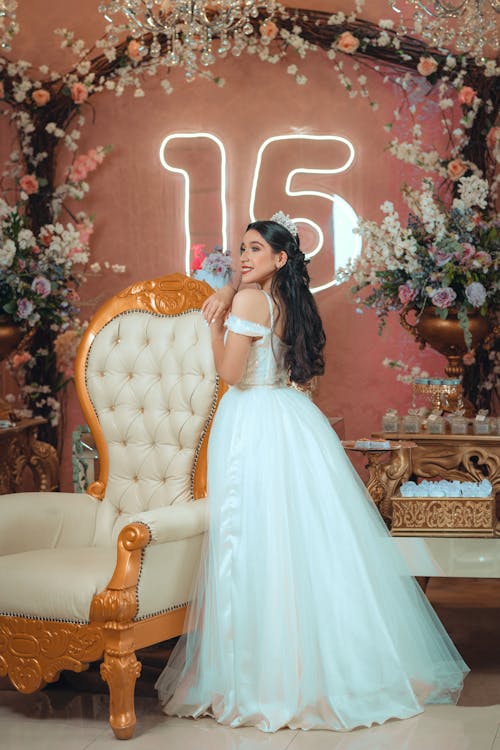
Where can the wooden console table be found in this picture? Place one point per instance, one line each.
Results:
(462, 457)
(20, 450)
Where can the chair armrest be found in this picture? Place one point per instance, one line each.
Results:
(45, 520)
(174, 522)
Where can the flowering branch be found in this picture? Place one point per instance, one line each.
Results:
(48, 111)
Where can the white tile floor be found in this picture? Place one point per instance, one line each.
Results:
(58, 720)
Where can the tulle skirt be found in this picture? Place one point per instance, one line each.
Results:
(304, 615)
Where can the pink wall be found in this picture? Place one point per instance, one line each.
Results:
(138, 205)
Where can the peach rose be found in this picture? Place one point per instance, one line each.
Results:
(134, 50)
(41, 97)
(29, 184)
(346, 42)
(427, 66)
(2, 90)
(79, 93)
(456, 169)
(268, 30)
(466, 95)
(20, 359)
(46, 237)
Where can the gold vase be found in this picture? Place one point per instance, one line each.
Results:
(447, 336)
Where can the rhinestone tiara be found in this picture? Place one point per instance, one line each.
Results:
(285, 221)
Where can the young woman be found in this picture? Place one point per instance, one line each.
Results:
(305, 615)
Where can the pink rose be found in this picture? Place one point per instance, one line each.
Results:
(406, 294)
(456, 169)
(134, 50)
(268, 30)
(347, 42)
(198, 257)
(443, 297)
(466, 95)
(469, 358)
(79, 93)
(427, 66)
(2, 90)
(468, 252)
(29, 184)
(41, 97)
(24, 308)
(482, 259)
(41, 286)
(442, 258)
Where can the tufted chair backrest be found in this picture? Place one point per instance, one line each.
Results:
(150, 390)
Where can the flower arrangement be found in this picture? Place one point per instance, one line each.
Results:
(445, 257)
(41, 269)
(213, 267)
(48, 110)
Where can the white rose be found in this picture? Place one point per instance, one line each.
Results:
(7, 253)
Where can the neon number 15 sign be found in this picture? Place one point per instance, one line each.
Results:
(336, 155)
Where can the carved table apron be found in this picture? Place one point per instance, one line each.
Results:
(462, 457)
(20, 450)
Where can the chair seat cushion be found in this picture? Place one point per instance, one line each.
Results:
(168, 576)
(38, 520)
(59, 584)
(54, 584)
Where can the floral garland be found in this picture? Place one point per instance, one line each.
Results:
(48, 111)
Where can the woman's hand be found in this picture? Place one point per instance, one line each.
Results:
(214, 308)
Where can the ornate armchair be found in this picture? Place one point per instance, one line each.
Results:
(99, 575)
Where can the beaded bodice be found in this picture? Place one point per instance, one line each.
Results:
(265, 364)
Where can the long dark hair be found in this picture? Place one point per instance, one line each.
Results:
(302, 330)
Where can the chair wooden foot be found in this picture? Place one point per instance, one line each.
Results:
(120, 671)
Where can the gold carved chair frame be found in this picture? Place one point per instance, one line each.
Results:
(33, 652)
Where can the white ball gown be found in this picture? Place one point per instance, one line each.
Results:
(305, 615)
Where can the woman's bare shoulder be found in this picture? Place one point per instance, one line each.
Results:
(250, 304)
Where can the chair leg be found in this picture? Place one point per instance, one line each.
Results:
(120, 670)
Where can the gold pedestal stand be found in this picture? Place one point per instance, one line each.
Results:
(447, 398)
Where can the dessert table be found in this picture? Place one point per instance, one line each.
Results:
(463, 457)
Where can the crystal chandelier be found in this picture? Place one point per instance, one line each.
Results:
(187, 33)
(476, 27)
